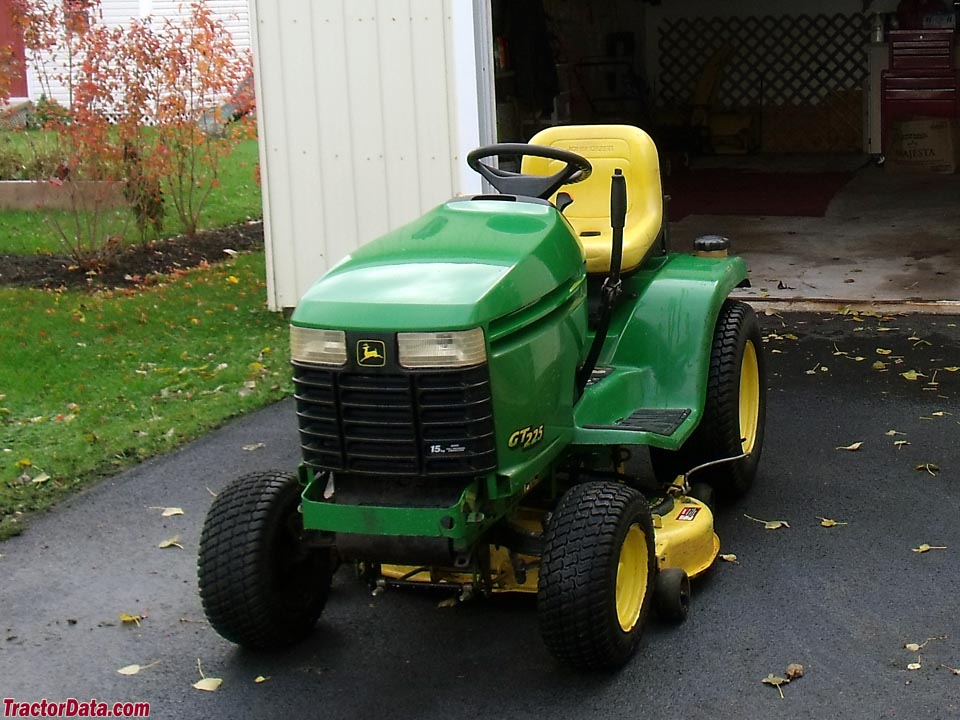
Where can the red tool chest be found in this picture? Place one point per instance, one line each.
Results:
(922, 80)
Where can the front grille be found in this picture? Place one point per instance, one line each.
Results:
(428, 423)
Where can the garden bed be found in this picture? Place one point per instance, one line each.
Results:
(134, 265)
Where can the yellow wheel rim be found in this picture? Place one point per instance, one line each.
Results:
(749, 397)
(631, 578)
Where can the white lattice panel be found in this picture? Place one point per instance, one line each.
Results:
(776, 60)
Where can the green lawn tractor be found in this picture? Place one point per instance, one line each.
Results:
(475, 393)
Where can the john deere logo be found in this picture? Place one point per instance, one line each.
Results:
(371, 353)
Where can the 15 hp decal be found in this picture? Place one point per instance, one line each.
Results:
(525, 437)
(688, 513)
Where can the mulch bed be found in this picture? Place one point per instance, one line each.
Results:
(135, 265)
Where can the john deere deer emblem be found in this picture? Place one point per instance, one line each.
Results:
(371, 353)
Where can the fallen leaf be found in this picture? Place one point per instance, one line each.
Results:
(912, 375)
(260, 679)
(828, 523)
(891, 433)
(794, 671)
(128, 619)
(168, 511)
(23, 463)
(730, 558)
(233, 279)
(776, 682)
(448, 603)
(208, 684)
(171, 542)
(952, 368)
(40, 479)
(927, 548)
(852, 448)
(254, 446)
(917, 647)
(914, 665)
(954, 671)
(883, 351)
(879, 365)
(900, 443)
(769, 524)
(231, 252)
(931, 468)
(135, 669)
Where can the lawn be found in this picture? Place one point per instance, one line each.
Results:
(91, 383)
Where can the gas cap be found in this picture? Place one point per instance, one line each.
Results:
(711, 246)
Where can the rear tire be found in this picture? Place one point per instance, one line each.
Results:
(734, 410)
(261, 587)
(596, 575)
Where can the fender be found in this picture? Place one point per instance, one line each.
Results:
(659, 348)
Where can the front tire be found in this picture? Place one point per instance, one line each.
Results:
(596, 575)
(260, 585)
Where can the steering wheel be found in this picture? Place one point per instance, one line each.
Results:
(576, 169)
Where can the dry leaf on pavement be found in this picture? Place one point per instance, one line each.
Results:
(769, 524)
(171, 542)
(794, 671)
(852, 448)
(927, 548)
(828, 523)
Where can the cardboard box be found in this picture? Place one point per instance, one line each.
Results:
(923, 145)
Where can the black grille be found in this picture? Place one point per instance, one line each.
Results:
(429, 423)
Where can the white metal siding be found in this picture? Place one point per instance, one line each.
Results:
(234, 14)
(366, 108)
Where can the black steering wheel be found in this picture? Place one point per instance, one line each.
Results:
(576, 169)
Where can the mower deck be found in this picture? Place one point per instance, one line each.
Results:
(683, 529)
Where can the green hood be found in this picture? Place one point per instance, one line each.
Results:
(459, 266)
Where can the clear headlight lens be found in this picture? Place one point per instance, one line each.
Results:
(318, 347)
(442, 349)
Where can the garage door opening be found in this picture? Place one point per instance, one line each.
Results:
(770, 125)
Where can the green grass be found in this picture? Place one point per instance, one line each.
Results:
(236, 200)
(90, 384)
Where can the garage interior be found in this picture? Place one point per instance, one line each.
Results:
(785, 129)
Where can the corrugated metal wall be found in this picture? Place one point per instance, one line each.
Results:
(366, 108)
(235, 15)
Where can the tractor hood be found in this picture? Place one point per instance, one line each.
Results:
(459, 266)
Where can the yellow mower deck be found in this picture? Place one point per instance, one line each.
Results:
(684, 539)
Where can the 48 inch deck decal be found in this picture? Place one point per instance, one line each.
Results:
(525, 437)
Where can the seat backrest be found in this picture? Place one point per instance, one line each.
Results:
(607, 147)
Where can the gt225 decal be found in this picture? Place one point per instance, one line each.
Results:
(525, 437)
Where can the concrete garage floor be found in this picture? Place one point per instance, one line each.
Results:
(889, 240)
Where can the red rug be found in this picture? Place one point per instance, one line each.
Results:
(724, 191)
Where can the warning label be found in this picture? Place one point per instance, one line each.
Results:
(688, 513)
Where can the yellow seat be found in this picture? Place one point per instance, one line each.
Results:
(607, 147)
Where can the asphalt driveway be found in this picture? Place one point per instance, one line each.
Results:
(843, 601)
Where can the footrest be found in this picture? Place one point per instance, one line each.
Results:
(651, 420)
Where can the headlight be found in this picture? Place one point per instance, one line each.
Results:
(318, 347)
(442, 349)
